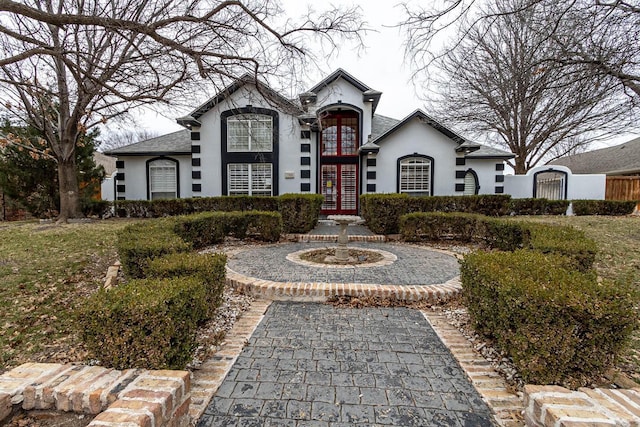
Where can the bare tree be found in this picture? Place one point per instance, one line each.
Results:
(497, 82)
(116, 139)
(599, 36)
(68, 65)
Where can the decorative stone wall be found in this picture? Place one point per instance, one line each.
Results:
(554, 406)
(131, 397)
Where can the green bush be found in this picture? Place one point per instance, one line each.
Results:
(146, 323)
(382, 212)
(202, 229)
(141, 242)
(538, 207)
(565, 241)
(299, 212)
(209, 268)
(461, 227)
(560, 326)
(603, 207)
(97, 208)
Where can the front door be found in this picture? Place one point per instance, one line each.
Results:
(339, 141)
(340, 189)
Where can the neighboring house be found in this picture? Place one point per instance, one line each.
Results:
(248, 139)
(619, 160)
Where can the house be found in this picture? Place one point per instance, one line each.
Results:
(248, 139)
(619, 160)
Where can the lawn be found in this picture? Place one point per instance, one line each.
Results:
(46, 269)
(619, 254)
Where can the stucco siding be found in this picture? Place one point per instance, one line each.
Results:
(135, 172)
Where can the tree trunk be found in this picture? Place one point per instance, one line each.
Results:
(69, 191)
(520, 167)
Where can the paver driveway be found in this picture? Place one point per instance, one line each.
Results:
(318, 365)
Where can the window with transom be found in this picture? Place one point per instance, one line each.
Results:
(415, 176)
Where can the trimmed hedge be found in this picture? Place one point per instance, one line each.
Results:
(538, 207)
(299, 211)
(382, 212)
(604, 207)
(149, 323)
(209, 268)
(560, 326)
(141, 242)
(502, 234)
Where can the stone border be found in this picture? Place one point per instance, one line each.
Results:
(319, 292)
(131, 397)
(387, 259)
(507, 406)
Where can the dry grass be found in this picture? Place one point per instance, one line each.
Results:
(46, 270)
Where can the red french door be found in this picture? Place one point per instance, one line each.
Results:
(340, 189)
(339, 162)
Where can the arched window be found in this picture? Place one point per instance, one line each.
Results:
(471, 186)
(415, 175)
(550, 184)
(162, 179)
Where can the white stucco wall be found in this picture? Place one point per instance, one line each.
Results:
(486, 171)
(341, 90)
(419, 138)
(107, 188)
(135, 170)
(578, 186)
(210, 143)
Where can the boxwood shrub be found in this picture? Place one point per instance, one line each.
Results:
(209, 268)
(603, 207)
(538, 207)
(565, 241)
(147, 323)
(141, 242)
(560, 326)
(299, 212)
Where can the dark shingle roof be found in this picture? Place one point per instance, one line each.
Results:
(617, 160)
(486, 152)
(381, 124)
(173, 143)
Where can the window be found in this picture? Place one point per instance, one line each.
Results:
(471, 186)
(415, 176)
(250, 132)
(163, 179)
(340, 134)
(252, 179)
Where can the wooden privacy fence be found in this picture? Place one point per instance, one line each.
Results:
(623, 188)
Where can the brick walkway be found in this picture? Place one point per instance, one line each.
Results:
(317, 365)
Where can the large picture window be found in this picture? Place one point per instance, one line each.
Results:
(415, 176)
(250, 132)
(253, 179)
(339, 135)
(163, 179)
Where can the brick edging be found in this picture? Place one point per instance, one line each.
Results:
(318, 291)
(131, 397)
(305, 238)
(507, 407)
(208, 377)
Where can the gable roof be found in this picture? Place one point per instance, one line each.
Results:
(426, 119)
(173, 143)
(193, 117)
(370, 93)
(617, 160)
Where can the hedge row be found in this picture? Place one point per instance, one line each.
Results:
(382, 212)
(152, 321)
(299, 212)
(559, 325)
(502, 234)
(138, 243)
(603, 207)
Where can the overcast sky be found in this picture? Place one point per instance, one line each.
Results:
(381, 65)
